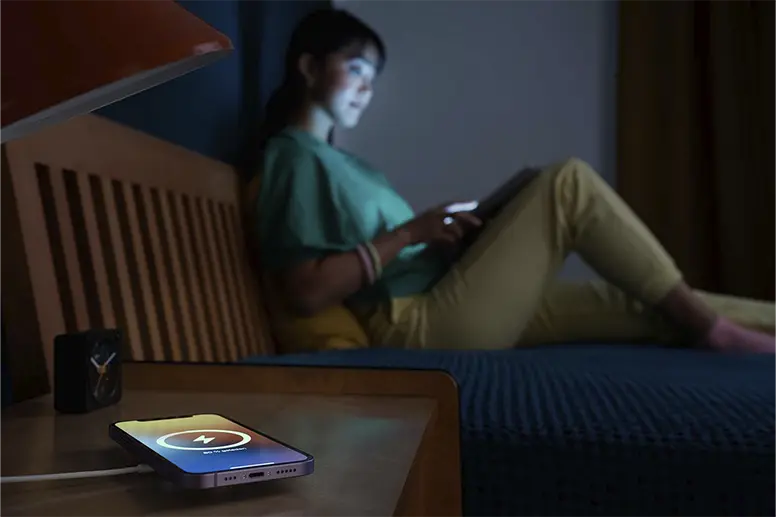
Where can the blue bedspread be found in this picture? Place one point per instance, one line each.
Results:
(603, 430)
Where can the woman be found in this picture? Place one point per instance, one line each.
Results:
(333, 231)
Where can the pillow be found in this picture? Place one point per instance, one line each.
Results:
(335, 328)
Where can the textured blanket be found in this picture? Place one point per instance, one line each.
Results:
(603, 430)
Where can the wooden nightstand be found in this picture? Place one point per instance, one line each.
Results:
(385, 443)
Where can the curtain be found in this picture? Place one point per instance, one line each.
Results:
(696, 136)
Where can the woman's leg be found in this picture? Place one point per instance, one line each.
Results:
(489, 297)
(596, 311)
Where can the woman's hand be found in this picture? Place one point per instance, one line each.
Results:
(437, 226)
(315, 284)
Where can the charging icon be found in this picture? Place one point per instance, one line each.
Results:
(205, 440)
(203, 437)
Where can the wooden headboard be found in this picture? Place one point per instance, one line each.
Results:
(109, 227)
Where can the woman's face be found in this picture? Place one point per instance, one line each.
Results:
(343, 86)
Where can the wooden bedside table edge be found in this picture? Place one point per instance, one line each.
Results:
(433, 486)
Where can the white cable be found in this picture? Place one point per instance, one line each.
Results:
(137, 469)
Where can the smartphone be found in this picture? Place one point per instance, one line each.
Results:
(209, 450)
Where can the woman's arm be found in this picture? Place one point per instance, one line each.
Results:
(315, 284)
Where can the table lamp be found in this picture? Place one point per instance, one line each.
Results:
(64, 58)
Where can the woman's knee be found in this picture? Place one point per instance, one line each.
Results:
(574, 175)
(571, 167)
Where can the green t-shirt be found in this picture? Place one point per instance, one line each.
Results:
(316, 200)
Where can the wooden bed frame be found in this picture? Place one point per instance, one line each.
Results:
(123, 229)
(107, 227)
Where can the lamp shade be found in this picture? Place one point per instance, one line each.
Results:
(62, 58)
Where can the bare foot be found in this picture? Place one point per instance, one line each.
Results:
(727, 336)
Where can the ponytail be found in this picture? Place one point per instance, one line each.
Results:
(281, 105)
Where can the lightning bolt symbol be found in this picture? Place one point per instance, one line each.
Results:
(205, 440)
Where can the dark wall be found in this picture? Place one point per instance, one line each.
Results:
(215, 109)
(199, 110)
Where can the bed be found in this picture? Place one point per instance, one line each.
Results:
(603, 430)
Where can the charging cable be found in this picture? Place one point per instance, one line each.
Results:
(137, 469)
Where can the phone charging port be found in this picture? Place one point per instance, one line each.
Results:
(256, 475)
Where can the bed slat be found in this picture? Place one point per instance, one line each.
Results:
(129, 231)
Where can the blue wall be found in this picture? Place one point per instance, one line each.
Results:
(200, 110)
(215, 110)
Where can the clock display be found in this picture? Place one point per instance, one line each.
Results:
(103, 375)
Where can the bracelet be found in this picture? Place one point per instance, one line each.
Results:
(366, 261)
(376, 261)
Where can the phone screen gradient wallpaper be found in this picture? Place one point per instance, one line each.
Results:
(202, 444)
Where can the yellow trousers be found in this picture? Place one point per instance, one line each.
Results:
(503, 291)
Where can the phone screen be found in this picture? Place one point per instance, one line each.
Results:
(202, 444)
(462, 207)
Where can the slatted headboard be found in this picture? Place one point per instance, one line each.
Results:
(121, 229)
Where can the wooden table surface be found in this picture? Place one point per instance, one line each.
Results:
(364, 448)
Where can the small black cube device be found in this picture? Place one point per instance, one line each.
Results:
(87, 370)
